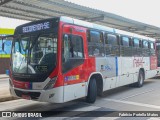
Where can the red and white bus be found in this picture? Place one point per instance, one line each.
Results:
(63, 59)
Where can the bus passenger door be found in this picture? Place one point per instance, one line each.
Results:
(73, 62)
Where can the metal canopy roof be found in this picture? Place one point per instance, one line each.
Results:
(41, 9)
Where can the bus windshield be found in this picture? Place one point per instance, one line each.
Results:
(34, 54)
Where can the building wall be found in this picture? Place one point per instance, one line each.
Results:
(4, 65)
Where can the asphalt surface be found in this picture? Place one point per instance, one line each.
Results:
(4, 81)
(124, 98)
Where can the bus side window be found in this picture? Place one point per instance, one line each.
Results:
(72, 52)
(136, 47)
(111, 45)
(136, 43)
(125, 41)
(145, 44)
(126, 46)
(152, 45)
(152, 48)
(95, 43)
(145, 48)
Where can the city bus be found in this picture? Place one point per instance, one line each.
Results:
(62, 59)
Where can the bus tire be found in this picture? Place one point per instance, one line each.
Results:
(92, 91)
(140, 79)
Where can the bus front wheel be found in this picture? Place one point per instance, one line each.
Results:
(92, 91)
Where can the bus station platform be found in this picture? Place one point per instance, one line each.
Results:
(2, 76)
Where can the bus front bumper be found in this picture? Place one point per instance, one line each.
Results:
(54, 95)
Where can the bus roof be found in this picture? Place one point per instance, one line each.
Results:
(103, 28)
(133, 35)
(86, 24)
(89, 25)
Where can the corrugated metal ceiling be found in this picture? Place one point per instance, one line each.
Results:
(40, 9)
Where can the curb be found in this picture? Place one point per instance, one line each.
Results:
(4, 77)
(7, 98)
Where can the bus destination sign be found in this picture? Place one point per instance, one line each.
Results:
(36, 27)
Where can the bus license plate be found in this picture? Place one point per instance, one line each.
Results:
(26, 97)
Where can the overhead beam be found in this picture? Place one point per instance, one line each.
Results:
(152, 35)
(10, 15)
(47, 9)
(20, 14)
(94, 19)
(133, 29)
(25, 11)
(2, 2)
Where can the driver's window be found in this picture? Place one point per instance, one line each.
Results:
(66, 48)
(72, 51)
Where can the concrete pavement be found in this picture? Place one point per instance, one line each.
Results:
(121, 99)
(4, 89)
(2, 76)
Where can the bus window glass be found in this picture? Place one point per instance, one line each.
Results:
(111, 47)
(77, 45)
(65, 47)
(44, 52)
(95, 43)
(34, 55)
(95, 37)
(125, 41)
(73, 54)
(136, 42)
(111, 39)
(151, 45)
(145, 44)
(20, 55)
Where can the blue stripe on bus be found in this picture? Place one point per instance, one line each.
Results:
(116, 60)
(30, 86)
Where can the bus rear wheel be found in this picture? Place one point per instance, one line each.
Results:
(140, 79)
(92, 91)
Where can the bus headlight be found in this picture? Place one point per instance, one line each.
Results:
(50, 84)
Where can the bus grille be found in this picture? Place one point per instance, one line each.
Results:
(33, 95)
